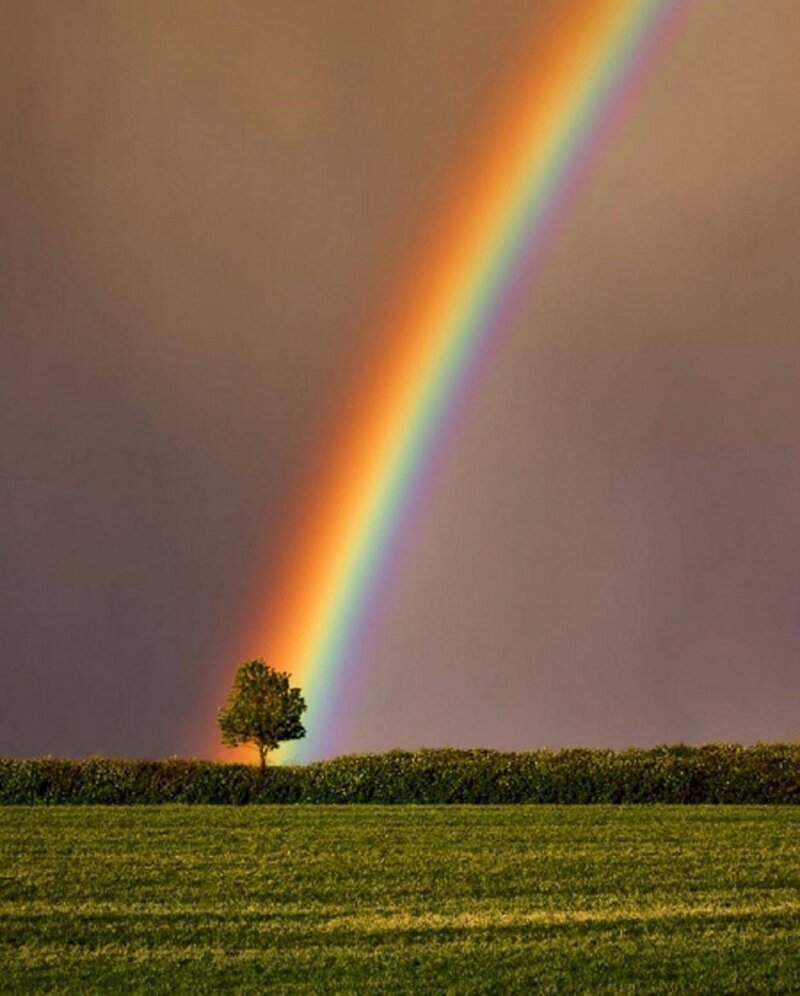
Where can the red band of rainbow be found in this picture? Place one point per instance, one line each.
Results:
(498, 223)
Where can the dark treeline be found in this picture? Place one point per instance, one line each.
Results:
(714, 773)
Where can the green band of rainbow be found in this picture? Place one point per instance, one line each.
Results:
(509, 213)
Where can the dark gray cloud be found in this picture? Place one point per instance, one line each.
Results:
(202, 209)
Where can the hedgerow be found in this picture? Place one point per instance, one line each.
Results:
(714, 773)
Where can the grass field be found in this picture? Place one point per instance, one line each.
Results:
(400, 899)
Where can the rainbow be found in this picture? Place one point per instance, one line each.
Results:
(494, 229)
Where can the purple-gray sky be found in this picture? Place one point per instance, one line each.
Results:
(203, 205)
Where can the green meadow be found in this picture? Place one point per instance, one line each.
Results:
(422, 899)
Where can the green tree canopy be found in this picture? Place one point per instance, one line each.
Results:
(262, 709)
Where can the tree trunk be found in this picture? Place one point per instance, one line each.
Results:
(262, 756)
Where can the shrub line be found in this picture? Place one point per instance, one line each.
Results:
(712, 773)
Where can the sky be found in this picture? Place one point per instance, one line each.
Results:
(204, 207)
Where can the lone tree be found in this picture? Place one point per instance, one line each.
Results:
(261, 709)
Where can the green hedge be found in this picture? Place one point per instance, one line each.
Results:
(715, 773)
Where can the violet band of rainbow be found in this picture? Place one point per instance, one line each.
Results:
(505, 219)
